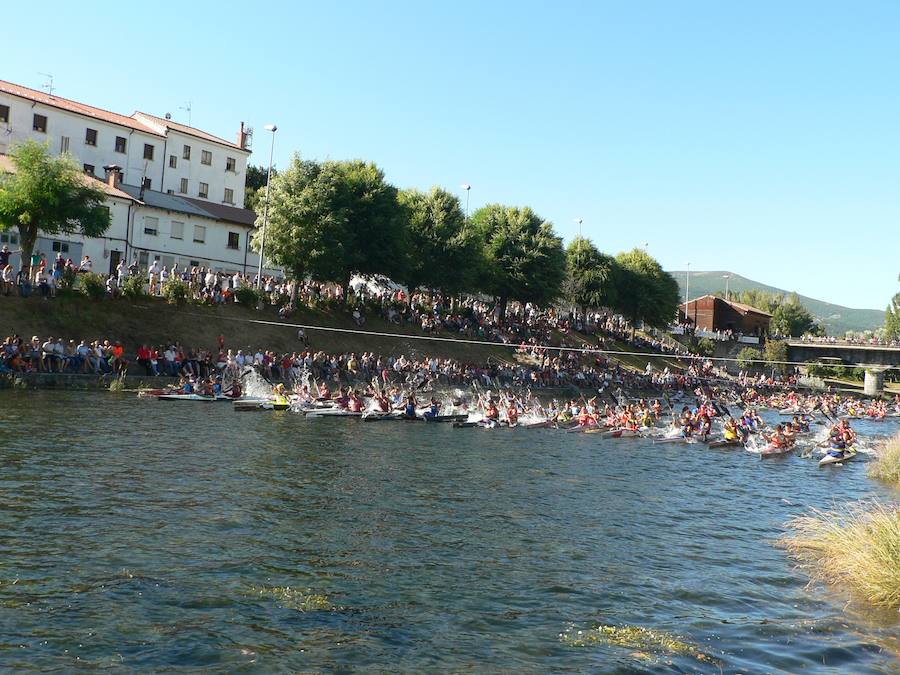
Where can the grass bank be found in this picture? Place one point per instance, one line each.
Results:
(886, 465)
(155, 322)
(857, 546)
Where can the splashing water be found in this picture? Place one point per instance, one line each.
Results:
(648, 644)
(255, 385)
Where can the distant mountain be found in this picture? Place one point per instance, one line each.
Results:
(836, 319)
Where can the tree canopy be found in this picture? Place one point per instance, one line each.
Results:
(590, 276)
(523, 256)
(647, 292)
(332, 219)
(791, 319)
(444, 251)
(50, 194)
(255, 185)
(892, 319)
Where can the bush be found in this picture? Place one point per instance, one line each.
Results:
(705, 347)
(858, 546)
(886, 466)
(67, 279)
(746, 358)
(175, 291)
(93, 285)
(133, 287)
(776, 354)
(247, 295)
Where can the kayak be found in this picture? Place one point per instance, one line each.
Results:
(616, 433)
(259, 404)
(673, 439)
(837, 456)
(772, 450)
(192, 397)
(722, 443)
(331, 412)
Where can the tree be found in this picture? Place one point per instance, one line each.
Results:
(255, 185)
(775, 354)
(51, 195)
(331, 220)
(791, 319)
(445, 251)
(645, 292)
(590, 276)
(749, 359)
(523, 257)
(892, 319)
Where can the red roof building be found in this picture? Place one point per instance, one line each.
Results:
(713, 313)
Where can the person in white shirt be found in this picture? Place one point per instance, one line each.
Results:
(153, 277)
(112, 286)
(121, 272)
(86, 264)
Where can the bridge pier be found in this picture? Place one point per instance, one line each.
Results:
(873, 385)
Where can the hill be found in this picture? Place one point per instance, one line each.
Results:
(836, 319)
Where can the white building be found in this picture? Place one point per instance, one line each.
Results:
(175, 193)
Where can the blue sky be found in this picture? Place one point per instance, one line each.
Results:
(762, 138)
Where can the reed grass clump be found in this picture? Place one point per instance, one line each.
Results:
(295, 598)
(857, 545)
(646, 643)
(886, 466)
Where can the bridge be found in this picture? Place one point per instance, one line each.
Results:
(874, 358)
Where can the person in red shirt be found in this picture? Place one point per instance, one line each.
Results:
(143, 358)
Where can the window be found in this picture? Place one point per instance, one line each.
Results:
(229, 196)
(234, 240)
(205, 157)
(148, 151)
(121, 143)
(89, 169)
(40, 123)
(186, 152)
(90, 137)
(199, 234)
(7, 238)
(177, 230)
(173, 162)
(4, 113)
(147, 183)
(151, 225)
(183, 188)
(204, 190)
(143, 258)
(60, 247)
(230, 164)
(63, 144)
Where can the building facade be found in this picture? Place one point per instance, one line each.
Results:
(175, 193)
(712, 313)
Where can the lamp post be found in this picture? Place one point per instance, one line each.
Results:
(579, 221)
(466, 187)
(727, 278)
(687, 291)
(262, 247)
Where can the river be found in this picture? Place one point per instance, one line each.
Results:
(145, 535)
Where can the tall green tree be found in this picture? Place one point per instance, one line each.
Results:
(590, 276)
(523, 257)
(892, 319)
(49, 194)
(332, 220)
(645, 292)
(444, 251)
(791, 319)
(255, 185)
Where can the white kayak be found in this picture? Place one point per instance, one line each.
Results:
(192, 397)
(331, 412)
(837, 456)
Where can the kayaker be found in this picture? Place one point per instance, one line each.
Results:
(730, 430)
(409, 411)
(512, 414)
(433, 409)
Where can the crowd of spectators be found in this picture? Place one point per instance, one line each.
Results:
(850, 340)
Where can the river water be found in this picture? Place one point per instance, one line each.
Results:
(144, 535)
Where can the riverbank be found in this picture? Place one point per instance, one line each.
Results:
(152, 321)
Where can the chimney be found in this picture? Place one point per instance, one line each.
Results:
(242, 136)
(113, 175)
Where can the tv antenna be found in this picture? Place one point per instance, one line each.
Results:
(187, 109)
(48, 85)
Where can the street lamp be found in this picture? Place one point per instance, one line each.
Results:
(466, 187)
(687, 291)
(727, 278)
(579, 221)
(262, 247)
